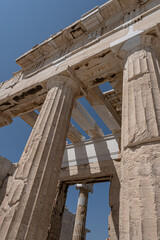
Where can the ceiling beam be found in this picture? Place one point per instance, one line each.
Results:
(29, 118)
(73, 135)
(85, 121)
(104, 109)
(91, 159)
(4, 119)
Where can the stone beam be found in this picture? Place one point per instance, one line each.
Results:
(29, 118)
(85, 121)
(115, 99)
(4, 119)
(91, 159)
(73, 134)
(104, 109)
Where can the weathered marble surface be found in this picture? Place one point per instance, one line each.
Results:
(6, 169)
(120, 36)
(79, 231)
(26, 209)
(140, 166)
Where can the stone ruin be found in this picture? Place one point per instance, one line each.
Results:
(119, 43)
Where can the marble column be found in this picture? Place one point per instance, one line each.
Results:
(57, 213)
(114, 192)
(140, 166)
(27, 207)
(79, 232)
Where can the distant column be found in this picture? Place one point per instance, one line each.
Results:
(79, 232)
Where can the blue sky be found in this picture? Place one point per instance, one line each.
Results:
(25, 23)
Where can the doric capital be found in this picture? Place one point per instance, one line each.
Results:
(139, 42)
(88, 187)
(63, 80)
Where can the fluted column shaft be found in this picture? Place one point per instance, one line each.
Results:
(27, 207)
(140, 172)
(80, 220)
(141, 93)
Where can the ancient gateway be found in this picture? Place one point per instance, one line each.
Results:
(118, 42)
